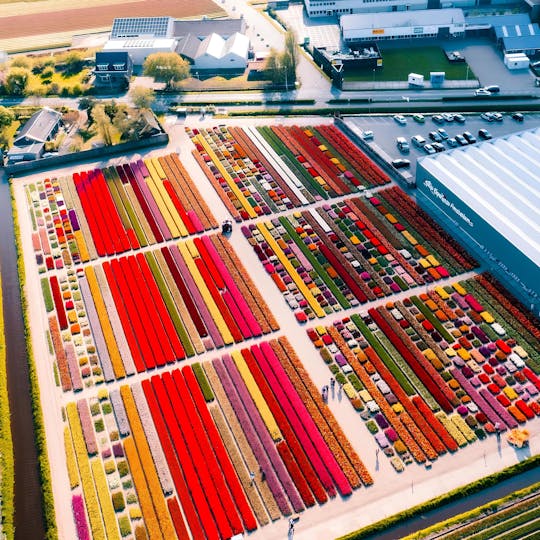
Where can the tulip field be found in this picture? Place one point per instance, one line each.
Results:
(437, 371)
(258, 171)
(187, 391)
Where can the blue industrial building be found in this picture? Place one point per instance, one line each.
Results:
(488, 196)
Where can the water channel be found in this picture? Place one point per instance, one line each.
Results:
(28, 508)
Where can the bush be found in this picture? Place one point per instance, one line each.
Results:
(47, 74)
(118, 501)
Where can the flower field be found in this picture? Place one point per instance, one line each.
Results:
(114, 210)
(345, 254)
(436, 371)
(257, 171)
(158, 457)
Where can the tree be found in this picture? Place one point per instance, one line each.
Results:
(103, 124)
(6, 117)
(74, 62)
(142, 97)
(166, 67)
(281, 66)
(17, 81)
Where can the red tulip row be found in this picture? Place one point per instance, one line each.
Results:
(198, 458)
(365, 167)
(421, 221)
(58, 303)
(429, 425)
(424, 370)
(303, 146)
(108, 232)
(300, 453)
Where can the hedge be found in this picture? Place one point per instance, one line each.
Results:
(437, 502)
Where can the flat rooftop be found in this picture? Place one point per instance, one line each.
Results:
(500, 181)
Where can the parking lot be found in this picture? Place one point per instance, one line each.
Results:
(385, 131)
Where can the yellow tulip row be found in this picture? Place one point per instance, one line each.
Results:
(105, 501)
(255, 392)
(150, 478)
(302, 287)
(108, 334)
(81, 244)
(468, 433)
(187, 249)
(85, 473)
(226, 176)
(73, 471)
(163, 200)
(455, 433)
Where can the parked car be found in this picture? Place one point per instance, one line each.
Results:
(448, 117)
(420, 118)
(518, 117)
(462, 141)
(482, 92)
(428, 149)
(484, 134)
(434, 136)
(403, 145)
(439, 147)
(487, 116)
(497, 116)
(367, 135)
(400, 119)
(459, 118)
(442, 134)
(438, 119)
(493, 89)
(452, 143)
(401, 163)
(418, 141)
(469, 137)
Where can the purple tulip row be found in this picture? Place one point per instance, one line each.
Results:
(506, 417)
(483, 405)
(197, 297)
(152, 438)
(77, 505)
(298, 408)
(73, 366)
(87, 427)
(119, 412)
(252, 438)
(264, 435)
(97, 333)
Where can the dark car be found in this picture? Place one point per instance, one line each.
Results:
(438, 119)
(401, 163)
(518, 117)
(459, 118)
(484, 134)
(434, 136)
(493, 89)
(462, 141)
(469, 137)
(439, 147)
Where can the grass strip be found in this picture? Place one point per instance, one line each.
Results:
(432, 319)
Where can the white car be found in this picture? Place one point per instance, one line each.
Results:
(400, 119)
(482, 92)
(367, 135)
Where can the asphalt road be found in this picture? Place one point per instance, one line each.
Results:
(386, 130)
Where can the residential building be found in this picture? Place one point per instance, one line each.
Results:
(113, 69)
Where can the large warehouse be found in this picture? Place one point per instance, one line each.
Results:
(490, 193)
(324, 8)
(435, 23)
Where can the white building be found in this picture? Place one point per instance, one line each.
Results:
(441, 23)
(139, 49)
(325, 8)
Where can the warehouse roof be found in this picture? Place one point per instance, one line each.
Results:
(500, 181)
(392, 19)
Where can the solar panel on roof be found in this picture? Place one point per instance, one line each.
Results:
(140, 26)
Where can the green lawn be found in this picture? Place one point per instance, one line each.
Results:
(398, 63)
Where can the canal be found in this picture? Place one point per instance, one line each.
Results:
(28, 508)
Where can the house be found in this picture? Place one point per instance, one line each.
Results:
(113, 69)
(30, 142)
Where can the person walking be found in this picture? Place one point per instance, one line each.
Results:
(251, 477)
(332, 383)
